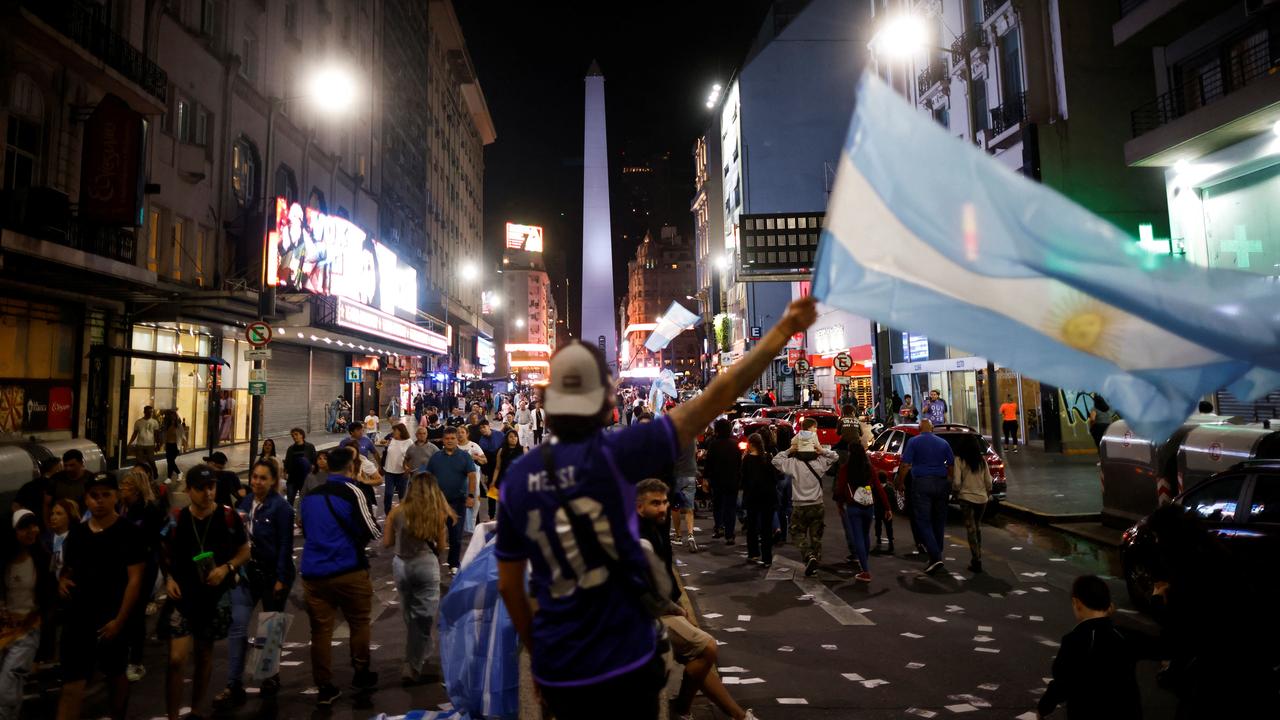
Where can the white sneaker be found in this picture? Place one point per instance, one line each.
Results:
(690, 544)
(750, 715)
(135, 673)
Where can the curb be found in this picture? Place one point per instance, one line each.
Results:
(1042, 518)
(1086, 534)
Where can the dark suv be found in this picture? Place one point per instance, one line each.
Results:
(1240, 506)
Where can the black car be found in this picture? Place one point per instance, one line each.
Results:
(1239, 506)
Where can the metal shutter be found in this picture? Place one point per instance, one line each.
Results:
(328, 381)
(288, 378)
(1265, 408)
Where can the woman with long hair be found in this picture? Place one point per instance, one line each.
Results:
(173, 432)
(266, 578)
(971, 481)
(28, 590)
(759, 499)
(268, 454)
(416, 528)
(858, 487)
(393, 466)
(138, 506)
(62, 515)
(507, 454)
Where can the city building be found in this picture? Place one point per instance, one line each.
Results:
(661, 273)
(777, 130)
(708, 234)
(1041, 87)
(226, 142)
(1213, 131)
(528, 315)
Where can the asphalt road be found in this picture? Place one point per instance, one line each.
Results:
(905, 646)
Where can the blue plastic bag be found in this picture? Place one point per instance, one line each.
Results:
(478, 644)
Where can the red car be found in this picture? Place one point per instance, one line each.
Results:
(828, 423)
(886, 452)
(759, 420)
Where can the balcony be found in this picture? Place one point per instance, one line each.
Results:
(1222, 102)
(970, 40)
(86, 42)
(989, 8)
(45, 214)
(1161, 22)
(933, 74)
(1009, 115)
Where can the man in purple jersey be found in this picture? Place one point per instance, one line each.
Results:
(569, 515)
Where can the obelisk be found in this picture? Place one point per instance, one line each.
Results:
(598, 326)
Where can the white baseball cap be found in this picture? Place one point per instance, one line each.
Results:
(579, 382)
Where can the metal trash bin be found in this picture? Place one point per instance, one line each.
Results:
(1210, 449)
(17, 468)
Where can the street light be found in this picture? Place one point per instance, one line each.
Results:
(722, 263)
(333, 89)
(469, 272)
(902, 36)
(519, 322)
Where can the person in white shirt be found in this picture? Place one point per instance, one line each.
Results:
(806, 462)
(539, 422)
(371, 425)
(394, 475)
(146, 436)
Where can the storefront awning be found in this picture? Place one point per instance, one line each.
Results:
(152, 355)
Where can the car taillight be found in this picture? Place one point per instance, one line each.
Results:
(742, 445)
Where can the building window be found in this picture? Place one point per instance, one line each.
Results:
(286, 183)
(197, 254)
(249, 56)
(24, 134)
(153, 240)
(175, 264)
(1010, 45)
(981, 114)
(211, 19)
(244, 172)
(182, 119)
(942, 116)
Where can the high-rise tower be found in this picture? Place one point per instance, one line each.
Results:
(598, 324)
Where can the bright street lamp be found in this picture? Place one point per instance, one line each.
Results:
(722, 263)
(902, 37)
(519, 322)
(333, 89)
(469, 272)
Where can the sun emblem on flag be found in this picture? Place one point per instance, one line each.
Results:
(1085, 324)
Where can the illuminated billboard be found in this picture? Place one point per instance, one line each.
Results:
(524, 237)
(487, 354)
(310, 251)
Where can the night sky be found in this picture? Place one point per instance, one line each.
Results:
(659, 60)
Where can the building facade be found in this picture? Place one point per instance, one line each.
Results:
(662, 272)
(1213, 132)
(528, 316)
(162, 162)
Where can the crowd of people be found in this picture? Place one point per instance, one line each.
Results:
(584, 542)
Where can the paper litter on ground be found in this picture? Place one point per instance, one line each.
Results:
(911, 635)
(1040, 589)
(854, 677)
(973, 700)
(864, 611)
(921, 713)
(792, 701)
(983, 638)
(961, 708)
(1029, 715)
(805, 597)
(1018, 592)
(744, 618)
(984, 628)
(986, 650)
(935, 619)
(1057, 559)
(989, 687)
(914, 665)
(872, 684)
(829, 647)
(735, 629)
(1011, 616)
(997, 596)
(1016, 548)
(732, 669)
(786, 648)
(691, 588)
(750, 681)
(290, 663)
(1049, 643)
(1035, 618)
(711, 616)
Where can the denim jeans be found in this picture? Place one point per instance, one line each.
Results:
(418, 580)
(243, 601)
(858, 518)
(455, 531)
(392, 483)
(15, 663)
(929, 505)
(841, 510)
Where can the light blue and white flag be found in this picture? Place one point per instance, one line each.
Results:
(927, 234)
(676, 320)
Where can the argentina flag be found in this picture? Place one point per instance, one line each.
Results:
(676, 320)
(927, 234)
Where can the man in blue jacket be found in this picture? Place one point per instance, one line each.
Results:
(337, 524)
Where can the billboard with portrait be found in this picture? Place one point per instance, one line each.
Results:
(524, 237)
(313, 252)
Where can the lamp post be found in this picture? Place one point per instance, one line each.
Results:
(900, 38)
(332, 90)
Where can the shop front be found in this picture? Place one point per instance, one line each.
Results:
(39, 390)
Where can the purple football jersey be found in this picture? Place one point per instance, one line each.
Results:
(586, 572)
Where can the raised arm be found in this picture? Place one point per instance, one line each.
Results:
(691, 417)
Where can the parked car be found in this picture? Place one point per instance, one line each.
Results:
(828, 423)
(759, 420)
(1240, 506)
(885, 452)
(742, 408)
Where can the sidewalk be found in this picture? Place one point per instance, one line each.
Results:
(1053, 486)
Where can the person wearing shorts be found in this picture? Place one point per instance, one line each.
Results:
(205, 549)
(101, 579)
(692, 647)
(684, 497)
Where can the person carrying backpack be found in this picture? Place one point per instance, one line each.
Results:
(806, 461)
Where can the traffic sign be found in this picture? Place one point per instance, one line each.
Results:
(786, 369)
(257, 354)
(258, 333)
(257, 387)
(258, 375)
(844, 380)
(802, 367)
(842, 362)
(355, 375)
